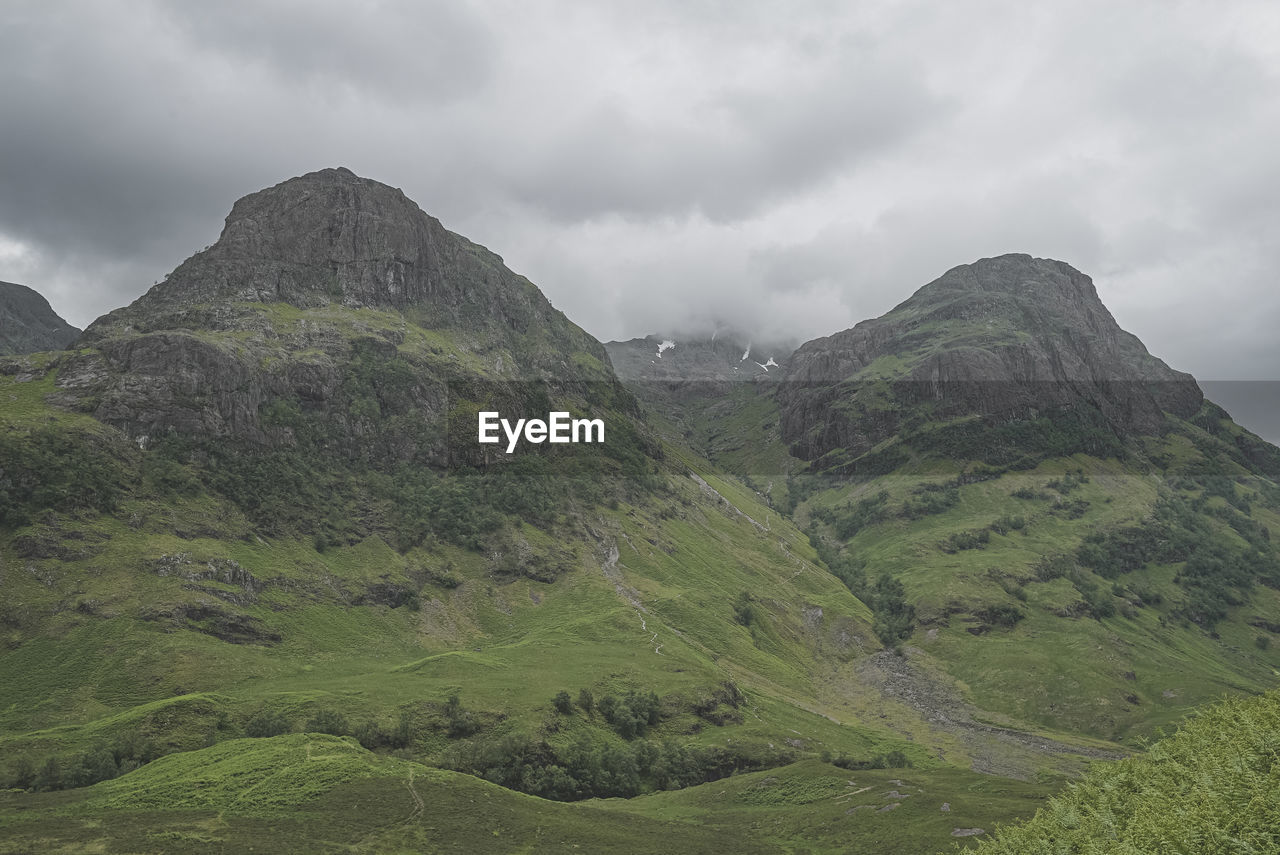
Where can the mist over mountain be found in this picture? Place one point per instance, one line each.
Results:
(717, 356)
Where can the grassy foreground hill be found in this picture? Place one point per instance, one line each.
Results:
(1210, 789)
(316, 793)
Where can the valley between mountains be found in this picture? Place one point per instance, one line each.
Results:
(882, 591)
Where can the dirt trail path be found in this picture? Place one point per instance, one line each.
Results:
(418, 805)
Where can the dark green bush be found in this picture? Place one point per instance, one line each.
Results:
(563, 703)
(328, 721)
(267, 723)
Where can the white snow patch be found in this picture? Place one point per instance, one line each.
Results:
(666, 345)
(771, 363)
(765, 367)
(745, 354)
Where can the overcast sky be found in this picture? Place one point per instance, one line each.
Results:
(790, 168)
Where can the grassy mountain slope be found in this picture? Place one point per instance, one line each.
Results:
(1069, 537)
(170, 623)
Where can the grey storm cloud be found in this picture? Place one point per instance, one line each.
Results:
(678, 165)
(410, 53)
(730, 155)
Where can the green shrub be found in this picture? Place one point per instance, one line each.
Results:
(961, 540)
(562, 702)
(267, 723)
(745, 611)
(586, 701)
(328, 721)
(1001, 614)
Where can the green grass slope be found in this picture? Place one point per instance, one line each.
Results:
(1210, 789)
(1090, 595)
(315, 793)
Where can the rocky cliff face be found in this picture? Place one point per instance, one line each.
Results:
(332, 238)
(327, 295)
(28, 324)
(1003, 339)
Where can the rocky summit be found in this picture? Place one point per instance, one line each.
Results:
(1002, 339)
(310, 280)
(332, 238)
(28, 323)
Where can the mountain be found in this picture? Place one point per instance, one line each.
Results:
(1003, 474)
(1034, 505)
(312, 282)
(719, 357)
(28, 323)
(1001, 340)
(260, 583)
(250, 510)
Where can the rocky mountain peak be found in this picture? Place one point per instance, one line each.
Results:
(28, 323)
(333, 238)
(365, 232)
(320, 285)
(1036, 292)
(1005, 338)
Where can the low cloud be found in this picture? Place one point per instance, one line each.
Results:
(668, 165)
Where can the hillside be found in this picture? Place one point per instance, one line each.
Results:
(252, 504)
(28, 324)
(1080, 540)
(1211, 788)
(1054, 526)
(309, 792)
